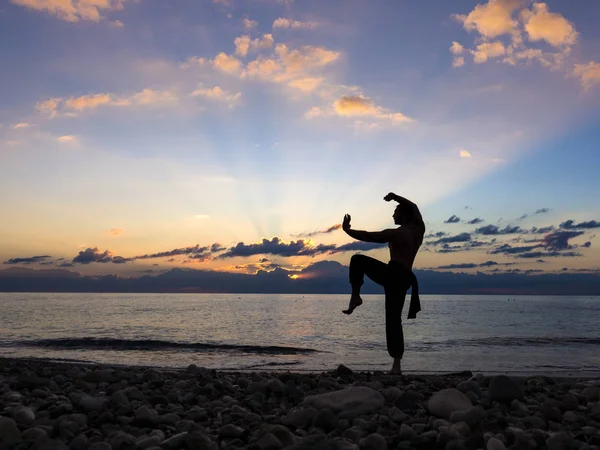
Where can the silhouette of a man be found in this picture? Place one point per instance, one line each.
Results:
(396, 276)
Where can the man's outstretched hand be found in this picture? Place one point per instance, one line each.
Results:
(346, 222)
(390, 196)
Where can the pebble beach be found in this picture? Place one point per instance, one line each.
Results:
(58, 406)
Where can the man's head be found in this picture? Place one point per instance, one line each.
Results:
(404, 214)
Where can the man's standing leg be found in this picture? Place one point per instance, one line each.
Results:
(394, 302)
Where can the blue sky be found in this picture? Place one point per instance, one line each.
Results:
(132, 128)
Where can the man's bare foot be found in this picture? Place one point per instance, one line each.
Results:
(355, 301)
(396, 370)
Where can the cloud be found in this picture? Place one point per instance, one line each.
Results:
(559, 240)
(588, 244)
(74, 105)
(93, 255)
(66, 138)
(540, 24)
(542, 230)
(465, 154)
(249, 24)
(588, 74)
(188, 251)
(490, 230)
(116, 231)
(243, 44)
(491, 19)
(488, 50)
(73, 10)
(31, 260)
(462, 237)
(554, 254)
(276, 246)
(307, 84)
(496, 21)
(452, 219)
(331, 229)
(353, 106)
(282, 22)
(358, 246)
(218, 94)
(475, 221)
(459, 266)
(17, 126)
(542, 211)
(227, 63)
(570, 225)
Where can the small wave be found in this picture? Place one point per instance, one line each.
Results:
(512, 342)
(157, 345)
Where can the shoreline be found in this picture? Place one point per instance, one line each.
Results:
(557, 374)
(81, 406)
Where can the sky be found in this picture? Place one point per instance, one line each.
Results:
(143, 136)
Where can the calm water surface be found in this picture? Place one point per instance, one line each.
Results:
(303, 332)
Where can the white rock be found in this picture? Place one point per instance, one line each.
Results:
(349, 402)
(445, 402)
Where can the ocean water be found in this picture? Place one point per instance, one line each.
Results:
(489, 334)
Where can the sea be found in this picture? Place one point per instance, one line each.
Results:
(519, 335)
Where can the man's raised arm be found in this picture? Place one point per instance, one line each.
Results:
(367, 236)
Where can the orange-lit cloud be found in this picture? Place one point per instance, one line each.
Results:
(465, 153)
(227, 63)
(218, 94)
(249, 24)
(491, 19)
(17, 126)
(74, 105)
(67, 138)
(588, 74)
(73, 10)
(488, 50)
(243, 44)
(116, 231)
(540, 24)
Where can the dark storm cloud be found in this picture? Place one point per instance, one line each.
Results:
(571, 225)
(542, 230)
(553, 254)
(358, 246)
(507, 249)
(93, 255)
(475, 221)
(196, 249)
(491, 230)
(437, 234)
(588, 244)
(41, 259)
(559, 240)
(316, 233)
(459, 266)
(542, 211)
(276, 246)
(452, 219)
(462, 237)
(216, 248)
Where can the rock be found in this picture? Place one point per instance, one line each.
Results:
(175, 441)
(373, 441)
(119, 398)
(147, 442)
(33, 434)
(470, 416)
(398, 416)
(24, 415)
(325, 419)
(504, 389)
(349, 403)
(269, 442)
(406, 433)
(551, 413)
(592, 393)
(145, 416)
(199, 440)
(391, 394)
(469, 386)
(89, 403)
(9, 433)
(299, 418)
(121, 441)
(445, 402)
(495, 444)
(50, 444)
(159, 433)
(275, 385)
(569, 402)
(79, 443)
(342, 370)
(558, 442)
(282, 434)
(100, 446)
(12, 397)
(230, 431)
